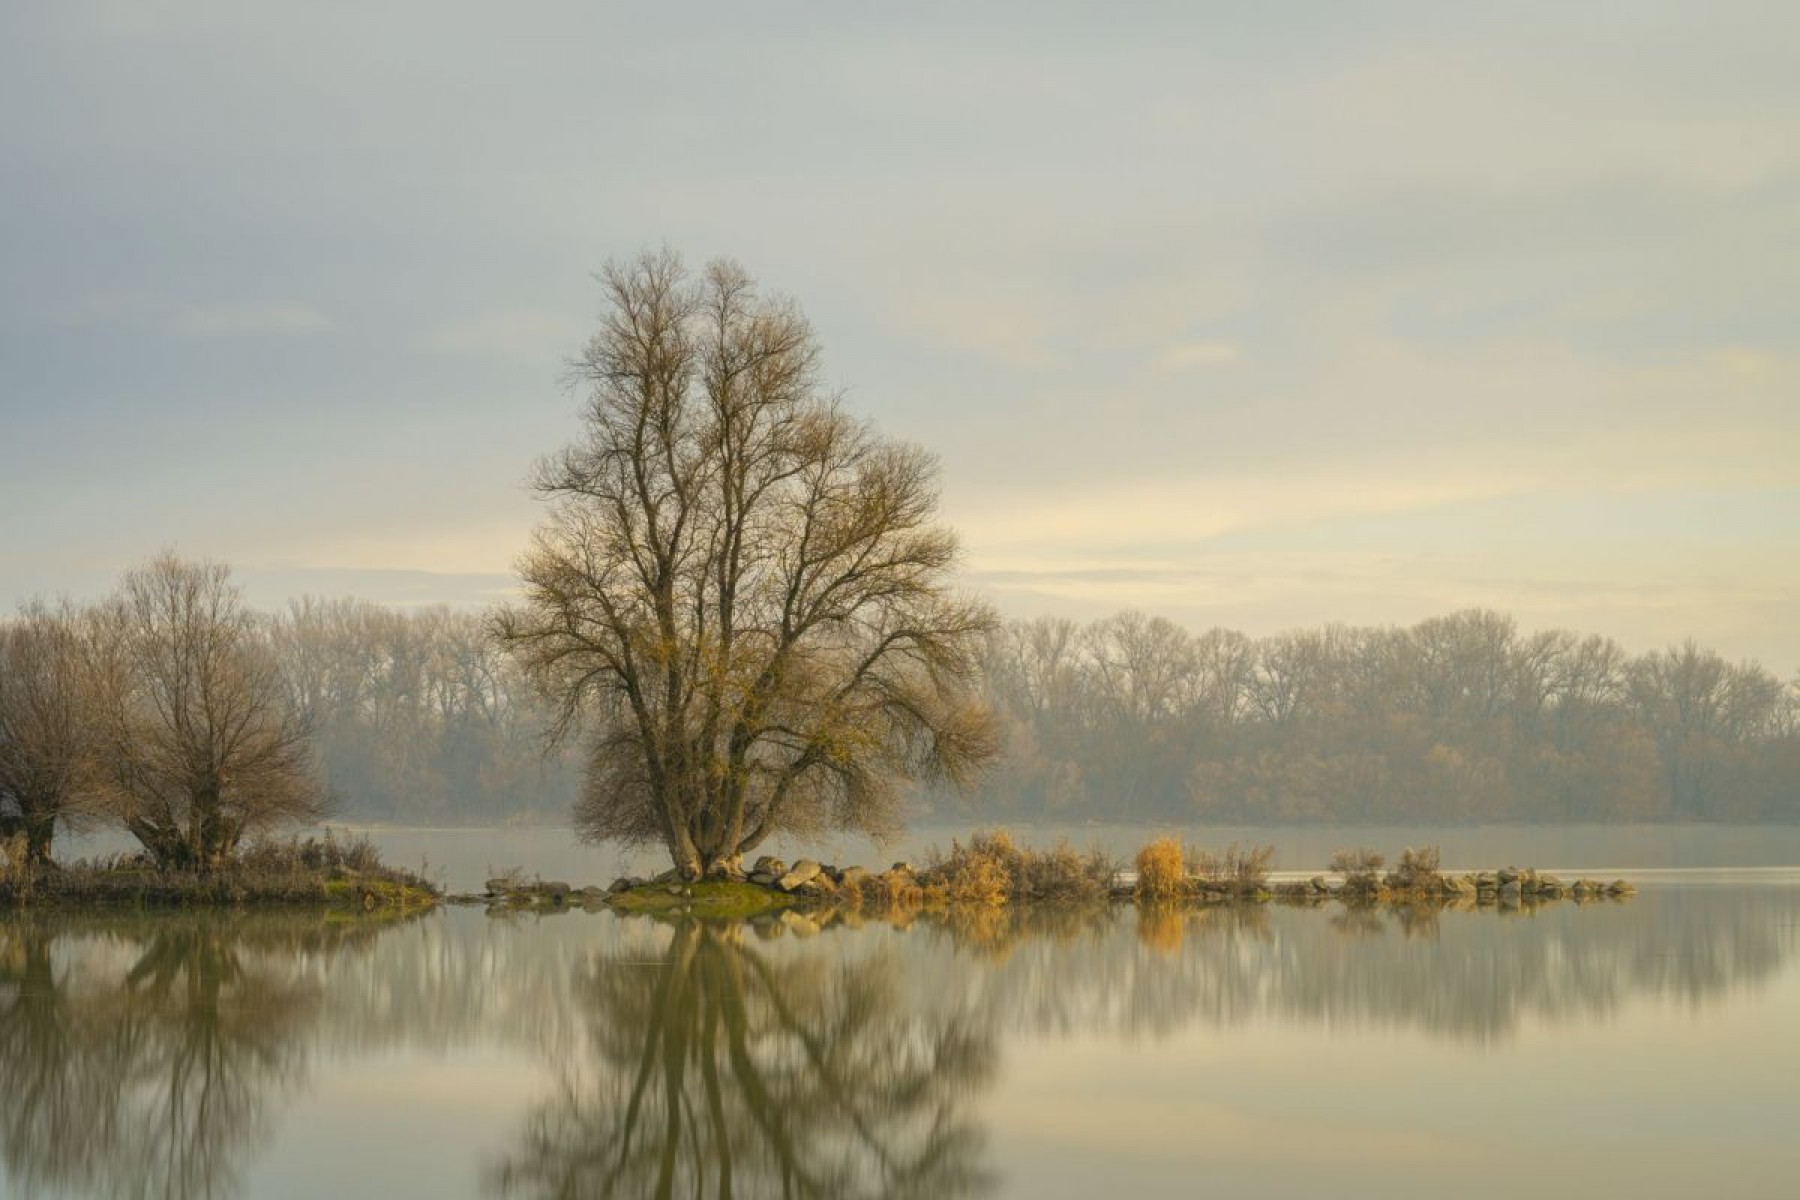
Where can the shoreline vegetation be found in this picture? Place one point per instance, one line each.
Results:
(991, 871)
(339, 876)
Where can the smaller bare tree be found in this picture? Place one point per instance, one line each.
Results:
(45, 776)
(197, 739)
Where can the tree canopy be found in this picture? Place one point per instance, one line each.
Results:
(740, 590)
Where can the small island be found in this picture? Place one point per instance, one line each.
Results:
(992, 871)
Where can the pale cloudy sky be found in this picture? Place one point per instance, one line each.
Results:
(1249, 314)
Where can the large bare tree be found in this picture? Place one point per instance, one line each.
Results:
(197, 737)
(740, 591)
(45, 775)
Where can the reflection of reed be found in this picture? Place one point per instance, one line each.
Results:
(1438, 969)
(728, 1070)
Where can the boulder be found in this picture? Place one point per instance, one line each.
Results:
(768, 865)
(804, 870)
(1507, 875)
(1619, 887)
(1318, 884)
(851, 876)
(551, 889)
(625, 883)
(499, 887)
(763, 879)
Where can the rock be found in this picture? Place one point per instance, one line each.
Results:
(802, 871)
(851, 876)
(1619, 887)
(763, 879)
(903, 867)
(1318, 884)
(624, 883)
(591, 893)
(768, 865)
(1510, 892)
(1507, 875)
(1486, 879)
(551, 889)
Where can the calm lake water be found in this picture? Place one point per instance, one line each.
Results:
(1649, 1048)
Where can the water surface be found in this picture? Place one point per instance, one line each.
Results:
(1647, 1048)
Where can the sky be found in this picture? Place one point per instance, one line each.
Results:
(1258, 316)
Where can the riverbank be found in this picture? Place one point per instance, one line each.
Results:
(325, 874)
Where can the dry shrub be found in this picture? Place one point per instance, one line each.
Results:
(1161, 870)
(992, 869)
(980, 873)
(885, 893)
(1418, 868)
(1245, 866)
(1360, 869)
(1064, 874)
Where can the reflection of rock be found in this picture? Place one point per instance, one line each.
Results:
(724, 1072)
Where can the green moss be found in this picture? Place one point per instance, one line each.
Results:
(733, 901)
(372, 894)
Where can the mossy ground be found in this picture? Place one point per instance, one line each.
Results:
(730, 901)
(135, 889)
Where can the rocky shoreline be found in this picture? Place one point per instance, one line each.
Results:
(772, 884)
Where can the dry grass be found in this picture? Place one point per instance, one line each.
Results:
(1243, 867)
(1418, 868)
(993, 869)
(1360, 869)
(1161, 871)
(325, 871)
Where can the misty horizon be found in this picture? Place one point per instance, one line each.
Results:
(1251, 320)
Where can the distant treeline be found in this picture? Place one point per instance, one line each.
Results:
(1458, 718)
(419, 717)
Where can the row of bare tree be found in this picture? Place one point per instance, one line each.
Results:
(1457, 718)
(172, 711)
(161, 710)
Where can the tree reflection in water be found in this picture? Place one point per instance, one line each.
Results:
(723, 1069)
(143, 1063)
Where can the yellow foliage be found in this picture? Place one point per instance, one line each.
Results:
(1161, 870)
